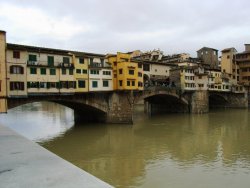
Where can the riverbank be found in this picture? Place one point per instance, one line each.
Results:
(25, 164)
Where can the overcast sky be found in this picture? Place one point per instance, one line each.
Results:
(108, 26)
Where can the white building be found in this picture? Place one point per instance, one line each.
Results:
(100, 75)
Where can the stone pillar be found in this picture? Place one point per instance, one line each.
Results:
(120, 107)
(3, 72)
(199, 102)
(238, 100)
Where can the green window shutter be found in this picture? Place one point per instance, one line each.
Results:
(81, 60)
(32, 57)
(43, 71)
(71, 71)
(48, 85)
(28, 84)
(50, 60)
(52, 71)
(58, 85)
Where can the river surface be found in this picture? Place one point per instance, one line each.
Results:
(169, 151)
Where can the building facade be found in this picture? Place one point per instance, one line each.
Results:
(209, 57)
(3, 72)
(127, 74)
(229, 65)
(243, 61)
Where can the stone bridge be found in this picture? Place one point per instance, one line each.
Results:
(117, 107)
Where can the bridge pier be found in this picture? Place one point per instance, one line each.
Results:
(198, 103)
(120, 108)
(237, 100)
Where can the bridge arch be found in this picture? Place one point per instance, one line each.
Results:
(84, 110)
(217, 100)
(164, 101)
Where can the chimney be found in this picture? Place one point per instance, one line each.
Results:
(247, 47)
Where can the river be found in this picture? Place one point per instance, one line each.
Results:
(168, 151)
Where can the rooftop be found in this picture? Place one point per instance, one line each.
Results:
(50, 50)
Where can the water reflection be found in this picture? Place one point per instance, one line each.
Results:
(174, 150)
(39, 121)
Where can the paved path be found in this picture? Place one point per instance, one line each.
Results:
(25, 164)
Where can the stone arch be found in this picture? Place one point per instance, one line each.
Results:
(164, 102)
(217, 100)
(83, 110)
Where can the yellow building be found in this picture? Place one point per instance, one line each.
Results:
(228, 64)
(49, 71)
(80, 62)
(3, 90)
(16, 71)
(127, 75)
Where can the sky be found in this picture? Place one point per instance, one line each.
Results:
(109, 26)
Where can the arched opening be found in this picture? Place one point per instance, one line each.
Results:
(217, 101)
(84, 112)
(163, 103)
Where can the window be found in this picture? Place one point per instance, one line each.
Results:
(120, 71)
(139, 74)
(43, 71)
(64, 84)
(131, 72)
(16, 54)
(94, 84)
(120, 82)
(105, 83)
(140, 84)
(50, 60)
(32, 84)
(32, 57)
(201, 85)
(128, 83)
(84, 71)
(133, 83)
(146, 67)
(71, 84)
(51, 84)
(106, 72)
(81, 60)
(91, 60)
(32, 70)
(43, 85)
(155, 70)
(81, 84)
(228, 56)
(16, 69)
(94, 71)
(52, 71)
(66, 60)
(63, 71)
(16, 86)
(139, 65)
(70, 71)
(78, 71)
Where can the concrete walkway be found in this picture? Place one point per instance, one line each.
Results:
(25, 164)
